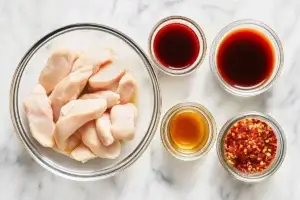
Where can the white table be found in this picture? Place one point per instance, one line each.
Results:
(156, 175)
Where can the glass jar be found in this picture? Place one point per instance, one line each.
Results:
(273, 40)
(200, 36)
(167, 140)
(280, 152)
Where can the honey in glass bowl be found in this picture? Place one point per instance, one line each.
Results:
(188, 131)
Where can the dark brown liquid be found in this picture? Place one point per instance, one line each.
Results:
(176, 46)
(245, 58)
(189, 130)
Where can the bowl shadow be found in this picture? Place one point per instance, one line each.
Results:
(174, 172)
(227, 187)
(174, 89)
(237, 104)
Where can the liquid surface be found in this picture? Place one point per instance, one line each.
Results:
(176, 46)
(245, 58)
(188, 130)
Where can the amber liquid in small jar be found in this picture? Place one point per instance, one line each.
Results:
(188, 130)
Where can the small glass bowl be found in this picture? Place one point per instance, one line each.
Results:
(275, 42)
(166, 139)
(280, 154)
(200, 35)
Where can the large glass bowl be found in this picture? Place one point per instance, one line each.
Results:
(90, 38)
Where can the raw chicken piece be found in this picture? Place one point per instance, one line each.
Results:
(73, 142)
(92, 63)
(123, 118)
(127, 87)
(77, 113)
(39, 113)
(91, 140)
(106, 78)
(103, 126)
(82, 154)
(70, 87)
(58, 66)
(112, 98)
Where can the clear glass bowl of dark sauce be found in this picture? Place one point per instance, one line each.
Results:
(177, 45)
(246, 57)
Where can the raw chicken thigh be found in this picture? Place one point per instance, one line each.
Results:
(127, 87)
(73, 142)
(112, 98)
(39, 113)
(58, 66)
(76, 114)
(91, 140)
(123, 118)
(82, 154)
(91, 63)
(84, 126)
(70, 87)
(103, 126)
(106, 78)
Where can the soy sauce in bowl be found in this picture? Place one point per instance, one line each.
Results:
(177, 45)
(245, 58)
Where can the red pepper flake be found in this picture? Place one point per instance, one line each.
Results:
(250, 145)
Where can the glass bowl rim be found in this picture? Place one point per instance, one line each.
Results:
(46, 163)
(278, 159)
(277, 68)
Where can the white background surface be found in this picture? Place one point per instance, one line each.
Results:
(156, 175)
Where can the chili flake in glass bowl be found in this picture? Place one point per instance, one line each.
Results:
(251, 146)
